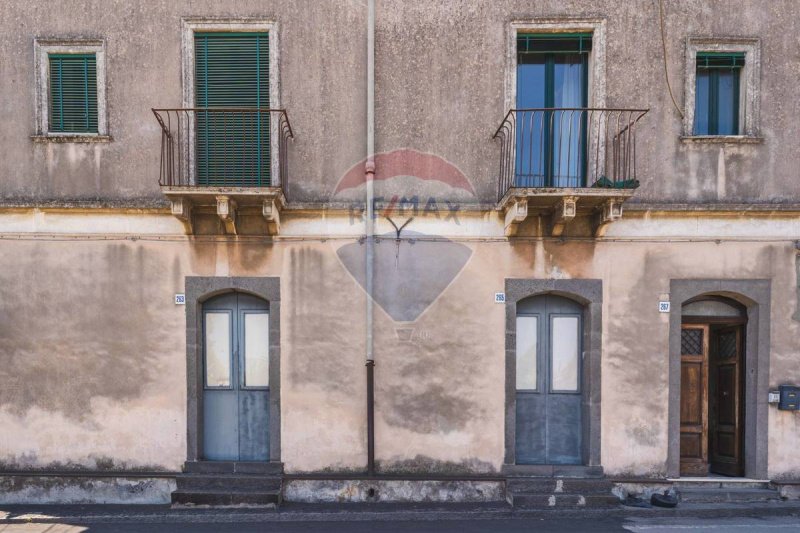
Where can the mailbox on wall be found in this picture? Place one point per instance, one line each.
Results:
(789, 398)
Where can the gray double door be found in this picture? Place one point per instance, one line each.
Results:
(549, 425)
(236, 378)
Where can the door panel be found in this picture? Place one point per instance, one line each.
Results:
(548, 399)
(564, 429)
(220, 425)
(531, 432)
(694, 403)
(726, 400)
(236, 392)
(253, 424)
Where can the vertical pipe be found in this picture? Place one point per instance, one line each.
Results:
(369, 172)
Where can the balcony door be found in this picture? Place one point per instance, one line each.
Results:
(552, 86)
(236, 378)
(549, 425)
(232, 137)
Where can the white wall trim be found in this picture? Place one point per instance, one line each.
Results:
(41, 49)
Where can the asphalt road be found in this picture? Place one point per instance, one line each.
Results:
(538, 525)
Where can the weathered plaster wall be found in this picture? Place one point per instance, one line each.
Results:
(94, 359)
(440, 81)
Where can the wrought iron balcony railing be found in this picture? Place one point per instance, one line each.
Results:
(568, 147)
(224, 147)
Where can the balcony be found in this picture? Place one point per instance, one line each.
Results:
(566, 164)
(225, 162)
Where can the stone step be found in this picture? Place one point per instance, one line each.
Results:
(225, 497)
(727, 495)
(232, 467)
(559, 485)
(562, 501)
(722, 483)
(222, 482)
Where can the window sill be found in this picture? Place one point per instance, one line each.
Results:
(721, 139)
(71, 138)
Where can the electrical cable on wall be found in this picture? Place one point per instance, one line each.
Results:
(664, 49)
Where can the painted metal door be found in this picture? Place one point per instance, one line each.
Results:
(236, 378)
(726, 399)
(549, 422)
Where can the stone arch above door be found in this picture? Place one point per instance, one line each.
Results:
(754, 296)
(589, 294)
(199, 290)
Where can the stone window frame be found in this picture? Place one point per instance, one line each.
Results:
(43, 47)
(191, 25)
(749, 93)
(597, 58)
(588, 293)
(199, 289)
(755, 295)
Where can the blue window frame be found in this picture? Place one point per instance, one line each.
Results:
(552, 84)
(717, 93)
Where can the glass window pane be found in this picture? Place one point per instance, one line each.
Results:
(218, 350)
(530, 94)
(565, 353)
(701, 109)
(728, 102)
(527, 330)
(256, 350)
(569, 75)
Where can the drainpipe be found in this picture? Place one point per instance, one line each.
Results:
(369, 170)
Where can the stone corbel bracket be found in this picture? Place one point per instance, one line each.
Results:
(610, 211)
(182, 209)
(270, 209)
(563, 213)
(226, 210)
(516, 213)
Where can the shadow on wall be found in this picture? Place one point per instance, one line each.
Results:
(94, 331)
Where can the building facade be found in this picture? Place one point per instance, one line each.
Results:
(446, 241)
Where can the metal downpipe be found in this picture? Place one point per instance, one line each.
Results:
(369, 171)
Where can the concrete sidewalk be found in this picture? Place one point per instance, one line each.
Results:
(352, 512)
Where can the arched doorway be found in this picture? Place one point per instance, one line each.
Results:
(712, 389)
(235, 370)
(549, 418)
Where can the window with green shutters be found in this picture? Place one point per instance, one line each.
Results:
(231, 86)
(73, 93)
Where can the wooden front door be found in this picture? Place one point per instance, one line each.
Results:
(694, 400)
(725, 398)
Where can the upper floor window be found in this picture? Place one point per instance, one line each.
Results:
(73, 93)
(552, 84)
(717, 106)
(232, 90)
(70, 91)
(722, 90)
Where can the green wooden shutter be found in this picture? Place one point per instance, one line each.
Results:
(73, 93)
(233, 147)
